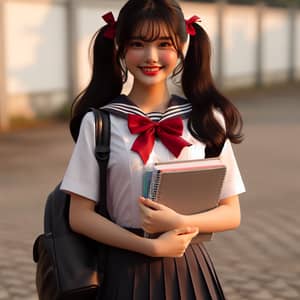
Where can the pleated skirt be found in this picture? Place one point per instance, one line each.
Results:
(133, 276)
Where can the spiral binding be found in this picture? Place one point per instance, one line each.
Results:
(154, 186)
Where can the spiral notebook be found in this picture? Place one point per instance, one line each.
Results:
(188, 187)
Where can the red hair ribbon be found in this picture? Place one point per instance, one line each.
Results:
(169, 131)
(110, 31)
(189, 25)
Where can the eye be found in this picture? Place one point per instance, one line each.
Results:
(136, 44)
(165, 45)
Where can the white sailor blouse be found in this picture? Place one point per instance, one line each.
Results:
(126, 168)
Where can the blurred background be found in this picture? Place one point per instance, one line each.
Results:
(44, 64)
(44, 57)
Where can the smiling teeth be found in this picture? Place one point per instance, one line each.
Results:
(151, 69)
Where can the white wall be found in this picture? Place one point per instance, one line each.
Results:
(240, 45)
(297, 51)
(240, 40)
(89, 21)
(207, 14)
(36, 46)
(35, 52)
(275, 44)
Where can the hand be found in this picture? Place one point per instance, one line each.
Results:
(174, 243)
(156, 217)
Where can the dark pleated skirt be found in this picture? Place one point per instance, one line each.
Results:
(133, 276)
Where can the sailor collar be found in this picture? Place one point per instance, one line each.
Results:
(123, 106)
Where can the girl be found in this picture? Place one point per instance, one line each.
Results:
(148, 41)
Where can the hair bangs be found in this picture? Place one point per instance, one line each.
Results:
(152, 29)
(149, 24)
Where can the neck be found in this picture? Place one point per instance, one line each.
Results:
(150, 98)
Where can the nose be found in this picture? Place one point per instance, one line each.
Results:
(151, 54)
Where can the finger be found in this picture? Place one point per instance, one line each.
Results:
(142, 208)
(194, 231)
(182, 230)
(187, 230)
(192, 234)
(150, 203)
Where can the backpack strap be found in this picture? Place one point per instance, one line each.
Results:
(102, 151)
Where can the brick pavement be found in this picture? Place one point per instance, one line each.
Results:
(260, 260)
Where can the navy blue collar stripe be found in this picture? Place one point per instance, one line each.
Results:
(178, 110)
(122, 107)
(125, 110)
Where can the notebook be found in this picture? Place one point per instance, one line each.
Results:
(188, 187)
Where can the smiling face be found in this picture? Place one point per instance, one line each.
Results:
(150, 61)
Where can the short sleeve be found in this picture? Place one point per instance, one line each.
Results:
(82, 174)
(233, 183)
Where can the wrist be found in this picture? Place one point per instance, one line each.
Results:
(148, 246)
(182, 221)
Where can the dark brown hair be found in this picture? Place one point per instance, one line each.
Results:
(108, 75)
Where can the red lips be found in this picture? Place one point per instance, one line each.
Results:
(150, 70)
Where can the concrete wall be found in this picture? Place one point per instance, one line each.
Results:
(297, 47)
(43, 67)
(35, 42)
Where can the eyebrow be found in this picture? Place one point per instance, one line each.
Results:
(163, 38)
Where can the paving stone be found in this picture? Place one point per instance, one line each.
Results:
(3, 294)
(263, 277)
(278, 284)
(251, 286)
(13, 281)
(229, 291)
(262, 295)
(255, 262)
(236, 278)
(23, 259)
(32, 297)
(287, 275)
(247, 268)
(235, 297)
(290, 294)
(19, 291)
(9, 273)
(295, 282)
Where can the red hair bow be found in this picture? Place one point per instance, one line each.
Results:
(189, 25)
(110, 31)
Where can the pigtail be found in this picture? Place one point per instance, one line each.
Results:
(105, 84)
(198, 86)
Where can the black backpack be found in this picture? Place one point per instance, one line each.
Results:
(70, 265)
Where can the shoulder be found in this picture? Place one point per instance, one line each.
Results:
(88, 119)
(88, 122)
(87, 129)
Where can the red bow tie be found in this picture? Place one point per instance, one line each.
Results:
(169, 132)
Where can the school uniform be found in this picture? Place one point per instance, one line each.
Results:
(131, 275)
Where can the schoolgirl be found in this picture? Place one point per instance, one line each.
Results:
(147, 40)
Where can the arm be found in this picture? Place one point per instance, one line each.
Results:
(159, 218)
(84, 220)
(226, 216)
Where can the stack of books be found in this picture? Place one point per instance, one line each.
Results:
(188, 187)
